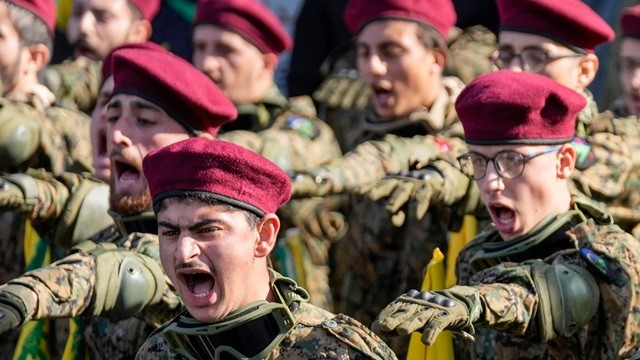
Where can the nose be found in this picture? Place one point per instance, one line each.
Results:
(373, 66)
(492, 181)
(86, 22)
(116, 134)
(516, 64)
(187, 249)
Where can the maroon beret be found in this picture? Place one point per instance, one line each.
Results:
(148, 8)
(508, 107)
(630, 21)
(438, 14)
(173, 84)
(44, 9)
(570, 22)
(107, 63)
(231, 173)
(249, 18)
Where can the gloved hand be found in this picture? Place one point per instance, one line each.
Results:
(410, 191)
(322, 222)
(343, 90)
(13, 312)
(430, 311)
(11, 196)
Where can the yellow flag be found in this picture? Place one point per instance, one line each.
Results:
(437, 277)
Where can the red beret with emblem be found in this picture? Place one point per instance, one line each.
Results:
(231, 173)
(439, 14)
(148, 8)
(630, 22)
(249, 18)
(44, 9)
(508, 107)
(107, 63)
(569, 22)
(173, 84)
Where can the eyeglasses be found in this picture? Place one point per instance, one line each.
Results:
(532, 59)
(509, 164)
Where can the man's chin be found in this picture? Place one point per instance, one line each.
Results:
(129, 205)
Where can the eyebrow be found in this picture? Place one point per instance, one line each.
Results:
(135, 104)
(198, 224)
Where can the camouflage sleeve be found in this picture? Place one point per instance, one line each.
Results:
(293, 142)
(73, 127)
(156, 347)
(75, 84)
(373, 160)
(470, 52)
(104, 280)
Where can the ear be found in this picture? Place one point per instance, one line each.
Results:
(267, 235)
(588, 67)
(140, 31)
(566, 161)
(439, 60)
(270, 61)
(39, 56)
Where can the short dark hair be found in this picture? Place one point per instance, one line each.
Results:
(431, 38)
(252, 219)
(31, 28)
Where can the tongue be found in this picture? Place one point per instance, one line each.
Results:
(202, 285)
(129, 175)
(505, 215)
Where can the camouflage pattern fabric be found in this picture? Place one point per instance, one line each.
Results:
(68, 288)
(75, 83)
(317, 334)
(470, 52)
(607, 252)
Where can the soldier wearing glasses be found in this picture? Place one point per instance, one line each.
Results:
(552, 277)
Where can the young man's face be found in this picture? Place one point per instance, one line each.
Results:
(630, 73)
(97, 26)
(517, 205)
(232, 62)
(100, 156)
(136, 126)
(12, 54)
(564, 70)
(209, 254)
(398, 68)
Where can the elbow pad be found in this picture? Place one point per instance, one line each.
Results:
(126, 281)
(19, 138)
(568, 299)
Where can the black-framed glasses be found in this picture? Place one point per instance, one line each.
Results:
(531, 59)
(509, 164)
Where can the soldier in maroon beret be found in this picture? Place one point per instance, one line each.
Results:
(555, 257)
(215, 204)
(629, 103)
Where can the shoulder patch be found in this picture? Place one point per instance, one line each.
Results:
(303, 126)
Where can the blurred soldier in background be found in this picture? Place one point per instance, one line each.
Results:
(629, 103)
(96, 27)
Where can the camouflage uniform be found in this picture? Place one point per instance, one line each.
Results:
(316, 334)
(59, 141)
(75, 83)
(507, 328)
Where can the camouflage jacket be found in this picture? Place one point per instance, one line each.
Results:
(316, 334)
(393, 146)
(507, 329)
(75, 83)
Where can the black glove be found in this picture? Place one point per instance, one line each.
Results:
(12, 311)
